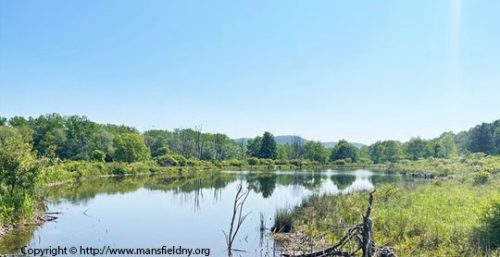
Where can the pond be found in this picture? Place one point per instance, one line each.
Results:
(155, 211)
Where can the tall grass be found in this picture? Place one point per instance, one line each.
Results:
(434, 219)
(283, 221)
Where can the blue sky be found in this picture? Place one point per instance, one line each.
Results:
(325, 70)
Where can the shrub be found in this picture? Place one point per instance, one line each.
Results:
(193, 162)
(281, 162)
(339, 162)
(171, 160)
(488, 233)
(253, 161)
(481, 178)
(365, 161)
(118, 169)
(98, 155)
(266, 161)
(235, 163)
(296, 162)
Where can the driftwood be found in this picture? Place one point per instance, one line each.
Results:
(362, 233)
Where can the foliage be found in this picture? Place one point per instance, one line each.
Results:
(315, 151)
(344, 150)
(268, 147)
(462, 166)
(385, 151)
(488, 231)
(18, 175)
(434, 219)
(481, 178)
(130, 147)
(253, 161)
(171, 160)
(98, 155)
(192, 144)
(17, 165)
(482, 139)
(415, 148)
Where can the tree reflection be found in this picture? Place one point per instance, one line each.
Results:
(343, 181)
(264, 183)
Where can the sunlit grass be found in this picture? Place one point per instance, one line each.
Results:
(434, 219)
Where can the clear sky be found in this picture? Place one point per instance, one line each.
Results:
(325, 70)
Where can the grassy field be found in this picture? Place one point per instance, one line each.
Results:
(457, 215)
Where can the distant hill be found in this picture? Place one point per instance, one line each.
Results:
(289, 139)
(332, 144)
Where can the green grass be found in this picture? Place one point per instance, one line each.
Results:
(283, 221)
(458, 166)
(433, 219)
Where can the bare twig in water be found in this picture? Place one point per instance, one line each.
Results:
(239, 201)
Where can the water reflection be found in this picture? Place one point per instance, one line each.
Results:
(263, 183)
(189, 211)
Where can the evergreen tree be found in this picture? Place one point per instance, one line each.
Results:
(268, 146)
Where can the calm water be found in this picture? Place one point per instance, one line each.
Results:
(152, 211)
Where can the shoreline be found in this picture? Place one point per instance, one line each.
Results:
(43, 216)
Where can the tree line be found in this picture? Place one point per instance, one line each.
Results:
(78, 138)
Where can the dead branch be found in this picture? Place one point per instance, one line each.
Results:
(361, 233)
(239, 201)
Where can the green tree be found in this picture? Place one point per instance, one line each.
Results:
(48, 134)
(377, 152)
(315, 151)
(496, 135)
(79, 133)
(130, 147)
(447, 146)
(481, 139)
(103, 140)
(18, 121)
(393, 150)
(98, 155)
(158, 142)
(283, 151)
(383, 151)
(254, 146)
(415, 148)
(344, 150)
(297, 148)
(268, 146)
(17, 164)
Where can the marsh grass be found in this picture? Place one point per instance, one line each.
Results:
(283, 221)
(434, 219)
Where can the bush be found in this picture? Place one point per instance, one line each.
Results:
(296, 162)
(171, 160)
(266, 161)
(339, 162)
(118, 169)
(253, 161)
(235, 163)
(365, 161)
(281, 162)
(98, 155)
(193, 162)
(488, 234)
(481, 178)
